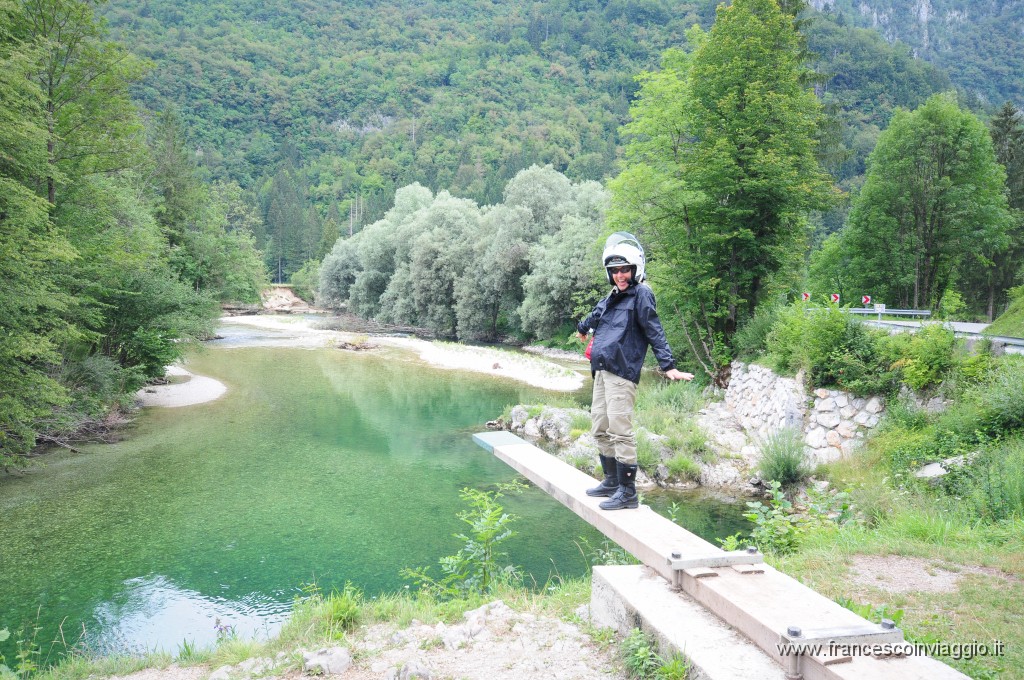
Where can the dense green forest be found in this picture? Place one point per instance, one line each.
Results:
(159, 159)
(111, 248)
(326, 110)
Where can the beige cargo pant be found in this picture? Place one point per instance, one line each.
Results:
(612, 416)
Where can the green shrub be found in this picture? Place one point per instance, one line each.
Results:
(925, 357)
(952, 305)
(476, 568)
(342, 607)
(777, 529)
(675, 668)
(782, 458)
(678, 398)
(751, 340)
(1000, 398)
(581, 422)
(689, 438)
(832, 347)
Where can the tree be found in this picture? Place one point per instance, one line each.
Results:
(932, 211)
(91, 125)
(720, 165)
(1007, 131)
(32, 306)
(180, 194)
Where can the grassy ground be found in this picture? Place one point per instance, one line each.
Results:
(984, 563)
(325, 620)
(1011, 322)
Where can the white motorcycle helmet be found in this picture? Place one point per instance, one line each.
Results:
(622, 249)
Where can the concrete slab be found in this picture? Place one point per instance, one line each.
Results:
(627, 597)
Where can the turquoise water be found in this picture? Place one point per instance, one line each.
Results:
(317, 465)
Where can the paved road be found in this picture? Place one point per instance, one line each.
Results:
(961, 328)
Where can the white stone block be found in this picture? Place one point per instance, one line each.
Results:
(847, 411)
(828, 404)
(834, 438)
(842, 400)
(874, 405)
(828, 420)
(846, 429)
(816, 438)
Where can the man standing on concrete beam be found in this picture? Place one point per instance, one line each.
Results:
(624, 324)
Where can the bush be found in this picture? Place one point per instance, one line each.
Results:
(834, 349)
(777, 529)
(751, 340)
(782, 459)
(924, 358)
(677, 397)
(475, 569)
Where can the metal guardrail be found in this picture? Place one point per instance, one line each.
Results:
(921, 313)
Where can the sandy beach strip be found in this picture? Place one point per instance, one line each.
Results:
(297, 332)
(196, 389)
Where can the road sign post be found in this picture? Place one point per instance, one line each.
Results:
(835, 298)
(805, 296)
(865, 299)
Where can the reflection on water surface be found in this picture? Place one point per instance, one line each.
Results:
(316, 466)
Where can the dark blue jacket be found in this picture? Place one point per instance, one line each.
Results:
(624, 324)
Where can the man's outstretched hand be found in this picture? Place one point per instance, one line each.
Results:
(676, 374)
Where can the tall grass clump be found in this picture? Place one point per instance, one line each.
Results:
(680, 397)
(681, 466)
(782, 458)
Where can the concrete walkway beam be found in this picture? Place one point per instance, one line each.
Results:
(761, 605)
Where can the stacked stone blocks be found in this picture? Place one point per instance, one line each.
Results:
(832, 422)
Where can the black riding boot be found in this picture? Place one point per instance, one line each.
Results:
(610, 485)
(626, 496)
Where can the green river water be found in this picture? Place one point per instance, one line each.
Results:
(316, 465)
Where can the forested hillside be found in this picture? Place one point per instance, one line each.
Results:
(976, 41)
(336, 105)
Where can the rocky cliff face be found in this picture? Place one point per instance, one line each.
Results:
(977, 42)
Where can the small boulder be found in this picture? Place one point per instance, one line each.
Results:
(333, 661)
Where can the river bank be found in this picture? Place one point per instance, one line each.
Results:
(182, 388)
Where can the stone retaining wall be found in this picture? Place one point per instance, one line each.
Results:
(832, 422)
